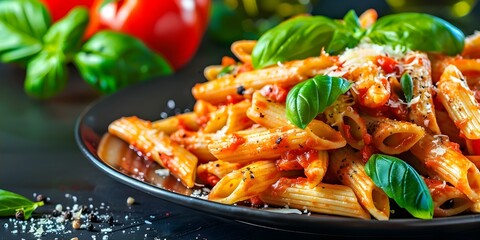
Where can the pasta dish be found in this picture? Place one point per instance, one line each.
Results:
(387, 122)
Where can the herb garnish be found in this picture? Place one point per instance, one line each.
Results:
(11, 203)
(311, 97)
(402, 183)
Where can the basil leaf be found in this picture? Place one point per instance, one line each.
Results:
(11, 202)
(311, 97)
(418, 31)
(347, 36)
(22, 26)
(407, 87)
(402, 183)
(67, 33)
(46, 74)
(110, 61)
(296, 38)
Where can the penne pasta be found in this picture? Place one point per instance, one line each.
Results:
(460, 102)
(447, 200)
(211, 172)
(185, 121)
(350, 124)
(421, 110)
(450, 165)
(349, 169)
(245, 183)
(285, 75)
(324, 198)
(246, 146)
(157, 146)
(393, 137)
(242, 143)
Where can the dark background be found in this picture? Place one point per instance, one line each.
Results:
(38, 155)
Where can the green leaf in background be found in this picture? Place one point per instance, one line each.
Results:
(67, 34)
(22, 26)
(46, 74)
(110, 61)
(347, 36)
(402, 183)
(407, 86)
(11, 202)
(418, 31)
(311, 97)
(296, 38)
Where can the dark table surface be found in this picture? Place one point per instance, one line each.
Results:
(39, 155)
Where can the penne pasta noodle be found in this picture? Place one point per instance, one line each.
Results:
(211, 172)
(196, 143)
(324, 198)
(393, 137)
(245, 183)
(185, 121)
(349, 169)
(350, 124)
(450, 165)
(421, 110)
(247, 146)
(286, 75)
(157, 146)
(242, 49)
(460, 103)
(447, 200)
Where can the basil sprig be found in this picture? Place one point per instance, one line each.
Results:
(418, 31)
(11, 202)
(311, 97)
(402, 183)
(407, 86)
(47, 70)
(22, 26)
(111, 60)
(108, 61)
(306, 36)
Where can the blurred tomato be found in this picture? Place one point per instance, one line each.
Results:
(173, 28)
(60, 8)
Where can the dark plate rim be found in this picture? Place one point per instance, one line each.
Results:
(315, 224)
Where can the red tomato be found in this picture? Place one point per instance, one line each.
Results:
(173, 28)
(60, 8)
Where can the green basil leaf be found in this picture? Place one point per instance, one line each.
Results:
(311, 97)
(22, 26)
(418, 31)
(347, 36)
(11, 202)
(407, 86)
(46, 74)
(110, 61)
(402, 183)
(296, 38)
(67, 34)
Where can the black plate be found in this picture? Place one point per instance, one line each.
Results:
(147, 100)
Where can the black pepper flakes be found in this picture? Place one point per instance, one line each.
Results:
(279, 139)
(110, 220)
(240, 90)
(20, 215)
(67, 215)
(92, 217)
(90, 227)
